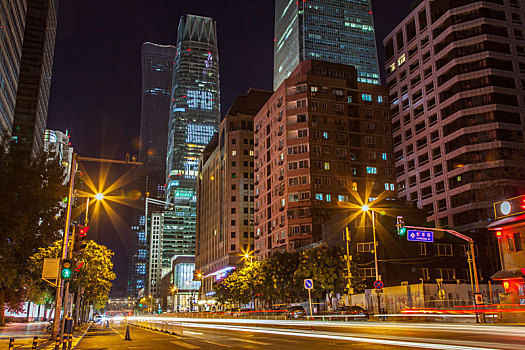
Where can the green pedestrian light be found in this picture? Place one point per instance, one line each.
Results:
(66, 269)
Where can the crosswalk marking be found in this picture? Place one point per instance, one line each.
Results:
(185, 345)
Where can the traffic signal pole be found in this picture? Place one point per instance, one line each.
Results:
(470, 242)
(65, 241)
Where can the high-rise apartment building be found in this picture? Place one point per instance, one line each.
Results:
(157, 67)
(456, 78)
(195, 105)
(58, 147)
(170, 234)
(321, 138)
(138, 254)
(325, 30)
(34, 81)
(12, 21)
(225, 192)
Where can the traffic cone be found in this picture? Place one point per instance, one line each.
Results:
(128, 336)
(35, 340)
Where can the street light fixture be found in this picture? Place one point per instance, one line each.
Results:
(99, 196)
(365, 208)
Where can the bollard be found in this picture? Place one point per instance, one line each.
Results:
(57, 342)
(35, 339)
(69, 341)
(11, 343)
(128, 336)
(64, 342)
(107, 323)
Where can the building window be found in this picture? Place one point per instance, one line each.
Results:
(444, 249)
(384, 156)
(380, 99)
(301, 103)
(466, 249)
(423, 249)
(233, 222)
(366, 97)
(342, 198)
(234, 153)
(328, 198)
(368, 272)
(365, 247)
(424, 274)
(446, 274)
(326, 166)
(232, 247)
(319, 196)
(401, 60)
(302, 133)
(371, 170)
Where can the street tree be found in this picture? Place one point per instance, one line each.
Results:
(94, 278)
(326, 266)
(31, 217)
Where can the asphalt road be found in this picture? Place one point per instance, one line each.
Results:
(367, 335)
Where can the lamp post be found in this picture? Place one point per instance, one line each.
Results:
(173, 290)
(248, 256)
(366, 208)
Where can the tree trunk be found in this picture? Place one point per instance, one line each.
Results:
(2, 307)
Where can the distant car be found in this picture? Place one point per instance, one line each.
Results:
(295, 311)
(352, 313)
(98, 318)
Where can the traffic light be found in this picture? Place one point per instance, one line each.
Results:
(80, 239)
(401, 229)
(66, 269)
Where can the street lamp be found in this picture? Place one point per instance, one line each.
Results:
(248, 256)
(99, 196)
(365, 208)
(175, 305)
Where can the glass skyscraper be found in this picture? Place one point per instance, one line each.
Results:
(194, 112)
(338, 31)
(195, 107)
(157, 69)
(34, 82)
(12, 20)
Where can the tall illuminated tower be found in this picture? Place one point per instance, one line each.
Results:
(194, 111)
(157, 66)
(324, 30)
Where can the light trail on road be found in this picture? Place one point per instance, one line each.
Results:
(435, 341)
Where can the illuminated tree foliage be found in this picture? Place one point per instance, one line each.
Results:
(30, 216)
(279, 278)
(94, 278)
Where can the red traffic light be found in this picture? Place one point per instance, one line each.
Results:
(83, 230)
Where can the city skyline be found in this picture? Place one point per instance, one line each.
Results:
(117, 61)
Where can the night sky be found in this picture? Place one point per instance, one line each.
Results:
(96, 84)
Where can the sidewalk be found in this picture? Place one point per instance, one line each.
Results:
(23, 334)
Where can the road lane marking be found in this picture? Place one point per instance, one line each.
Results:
(217, 344)
(411, 344)
(185, 345)
(189, 332)
(114, 330)
(250, 341)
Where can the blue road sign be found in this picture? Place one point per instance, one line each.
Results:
(308, 283)
(378, 284)
(420, 236)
